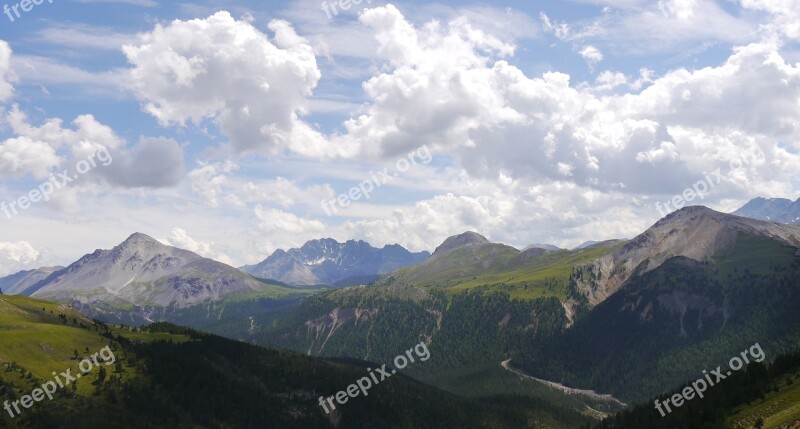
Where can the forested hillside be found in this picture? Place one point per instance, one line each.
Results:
(665, 326)
(761, 397)
(167, 377)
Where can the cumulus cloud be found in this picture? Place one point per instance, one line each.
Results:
(17, 256)
(282, 229)
(560, 213)
(225, 70)
(785, 13)
(38, 150)
(492, 117)
(436, 88)
(609, 80)
(217, 185)
(153, 163)
(22, 156)
(208, 180)
(6, 87)
(592, 55)
(180, 238)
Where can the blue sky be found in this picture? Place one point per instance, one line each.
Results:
(228, 123)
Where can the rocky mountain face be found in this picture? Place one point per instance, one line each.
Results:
(18, 282)
(142, 271)
(696, 232)
(327, 261)
(771, 209)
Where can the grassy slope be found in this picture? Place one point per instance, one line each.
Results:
(34, 336)
(495, 268)
(777, 407)
(528, 280)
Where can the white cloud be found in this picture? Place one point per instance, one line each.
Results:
(6, 88)
(608, 80)
(492, 117)
(281, 229)
(180, 238)
(21, 156)
(436, 88)
(218, 68)
(208, 179)
(649, 27)
(17, 256)
(786, 16)
(39, 150)
(82, 36)
(592, 55)
(39, 70)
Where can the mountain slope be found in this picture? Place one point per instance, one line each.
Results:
(327, 261)
(695, 232)
(18, 282)
(143, 271)
(468, 261)
(771, 209)
(142, 280)
(667, 324)
(458, 257)
(165, 376)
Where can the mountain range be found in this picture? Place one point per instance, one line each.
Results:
(630, 318)
(772, 209)
(327, 261)
(19, 282)
(611, 323)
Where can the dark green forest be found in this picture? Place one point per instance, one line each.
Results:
(750, 385)
(214, 382)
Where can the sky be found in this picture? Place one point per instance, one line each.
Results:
(236, 128)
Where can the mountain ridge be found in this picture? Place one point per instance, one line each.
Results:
(781, 210)
(143, 271)
(327, 261)
(695, 232)
(22, 280)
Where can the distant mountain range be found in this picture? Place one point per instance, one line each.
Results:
(329, 262)
(771, 209)
(142, 280)
(18, 282)
(541, 246)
